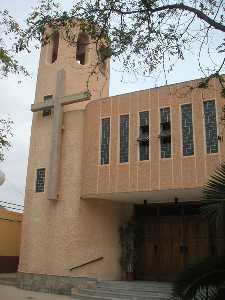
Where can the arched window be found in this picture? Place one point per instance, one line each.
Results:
(55, 46)
(81, 51)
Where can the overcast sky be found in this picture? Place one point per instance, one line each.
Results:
(15, 101)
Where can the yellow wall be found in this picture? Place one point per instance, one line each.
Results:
(10, 232)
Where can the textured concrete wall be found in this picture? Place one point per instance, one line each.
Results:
(177, 172)
(58, 235)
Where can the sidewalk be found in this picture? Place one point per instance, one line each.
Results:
(13, 293)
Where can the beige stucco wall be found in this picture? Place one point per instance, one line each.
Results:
(155, 174)
(58, 235)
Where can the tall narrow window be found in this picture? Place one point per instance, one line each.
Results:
(47, 111)
(105, 138)
(40, 180)
(187, 130)
(165, 132)
(81, 51)
(211, 137)
(55, 46)
(144, 135)
(124, 138)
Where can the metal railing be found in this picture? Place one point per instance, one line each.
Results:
(87, 263)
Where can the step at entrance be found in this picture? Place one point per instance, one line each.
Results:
(8, 279)
(115, 290)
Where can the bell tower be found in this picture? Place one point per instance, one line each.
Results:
(69, 78)
(78, 57)
(70, 75)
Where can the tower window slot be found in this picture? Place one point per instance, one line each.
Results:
(47, 111)
(81, 51)
(55, 46)
(40, 180)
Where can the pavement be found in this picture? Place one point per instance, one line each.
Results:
(13, 293)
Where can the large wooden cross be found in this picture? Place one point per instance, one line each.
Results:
(57, 105)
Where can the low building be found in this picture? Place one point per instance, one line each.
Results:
(10, 237)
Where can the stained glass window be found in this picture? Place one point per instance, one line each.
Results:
(105, 138)
(124, 138)
(211, 136)
(40, 180)
(144, 135)
(187, 130)
(165, 132)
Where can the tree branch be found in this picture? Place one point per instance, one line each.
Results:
(179, 6)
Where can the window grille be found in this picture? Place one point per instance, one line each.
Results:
(165, 132)
(187, 130)
(143, 139)
(105, 139)
(124, 138)
(211, 136)
(40, 180)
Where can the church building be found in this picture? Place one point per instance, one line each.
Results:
(97, 161)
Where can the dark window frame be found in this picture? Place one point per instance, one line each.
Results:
(124, 138)
(40, 180)
(144, 130)
(47, 112)
(211, 135)
(165, 134)
(189, 148)
(105, 141)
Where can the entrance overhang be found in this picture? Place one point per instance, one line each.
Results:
(156, 196)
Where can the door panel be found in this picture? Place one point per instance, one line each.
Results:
(168, 243)
(196, 238)
(147, 249)
(169, 252)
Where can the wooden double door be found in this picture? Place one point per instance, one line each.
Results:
(167, 242)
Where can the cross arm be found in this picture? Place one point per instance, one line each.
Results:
(75, 98)
(42, 106)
